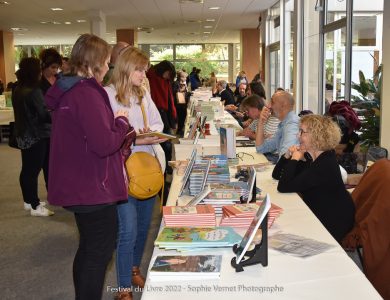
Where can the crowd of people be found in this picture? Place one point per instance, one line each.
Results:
(77, 119)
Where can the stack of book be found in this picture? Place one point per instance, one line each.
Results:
(241, 215)
(186, 267)
(190, 238)
(226, 194)
(208, 169)
(198, 215)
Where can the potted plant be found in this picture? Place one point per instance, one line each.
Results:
(367, 104)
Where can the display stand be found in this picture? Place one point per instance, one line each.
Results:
(253, 199)
(257, 255)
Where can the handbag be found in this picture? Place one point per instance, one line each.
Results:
(12, 142)
(144, 172)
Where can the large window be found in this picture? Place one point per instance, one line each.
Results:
(206, 57)
(160, 52)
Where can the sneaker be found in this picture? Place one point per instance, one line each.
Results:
(27, 206)
(41, 211)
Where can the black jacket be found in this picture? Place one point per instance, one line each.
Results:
(32, 119)
(227, 96)
(322, 189)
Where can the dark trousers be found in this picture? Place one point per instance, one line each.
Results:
(34, 160)
(98, 233)
(181, 110)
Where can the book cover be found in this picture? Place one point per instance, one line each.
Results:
(197, 236)
(176, 265)
(161, 135)
(187, 210)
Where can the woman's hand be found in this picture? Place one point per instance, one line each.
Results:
(145, 130)
(294, 149)
(149, 140)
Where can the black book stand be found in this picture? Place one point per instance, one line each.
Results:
(257, 255)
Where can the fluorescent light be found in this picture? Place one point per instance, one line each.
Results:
(210, 20)
(81, 21)
(214, 7)
(18, 29)
(4, 3)
(67, 23)
(208, 26)
(56, 8)
(206, 32)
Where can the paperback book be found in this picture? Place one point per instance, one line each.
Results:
(186, 267)
(193, 237)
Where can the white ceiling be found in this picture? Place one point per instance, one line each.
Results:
(173, 21)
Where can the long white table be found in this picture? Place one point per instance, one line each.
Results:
(330, 275)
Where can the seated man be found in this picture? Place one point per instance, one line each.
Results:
(282, 105)
(252, 105)
(226, 96)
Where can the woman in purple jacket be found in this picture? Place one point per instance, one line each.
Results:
(87, 170)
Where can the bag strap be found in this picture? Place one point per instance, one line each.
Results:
(155, 153)
(143, 112)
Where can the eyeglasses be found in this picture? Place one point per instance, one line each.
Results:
(240, 155)
(301, 131)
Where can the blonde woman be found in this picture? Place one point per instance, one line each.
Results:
(126, 92)
(311, 169)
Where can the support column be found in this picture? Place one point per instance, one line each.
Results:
(250, 52)
(7, 57)
(385, 103)
(127, 35)
(98, 23)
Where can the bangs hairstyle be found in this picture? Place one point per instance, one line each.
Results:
(325, 133)
(89, 55)
(130, 60)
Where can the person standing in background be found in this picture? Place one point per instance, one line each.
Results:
(87, 175)
(32, 131)
(51, 61)
(116, 50)
(180, 92)
(213, 83)
(241, 78)
(161, 77)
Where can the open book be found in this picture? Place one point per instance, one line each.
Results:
(158, 134)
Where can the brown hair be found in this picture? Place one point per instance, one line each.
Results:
(89, 55)
(130, 60)
(254, 101)
(325, 133)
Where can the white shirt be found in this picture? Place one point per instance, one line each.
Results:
(136, 120)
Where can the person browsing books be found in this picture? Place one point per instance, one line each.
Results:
(311, 169)
(86, 172)
(126, 92)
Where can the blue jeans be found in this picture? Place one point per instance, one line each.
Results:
(134, 218)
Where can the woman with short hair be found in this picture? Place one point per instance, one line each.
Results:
(311, 169)
(87, 175)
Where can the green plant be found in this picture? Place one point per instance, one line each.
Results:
(368, 104)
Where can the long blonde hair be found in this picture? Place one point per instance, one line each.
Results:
(129, 60)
